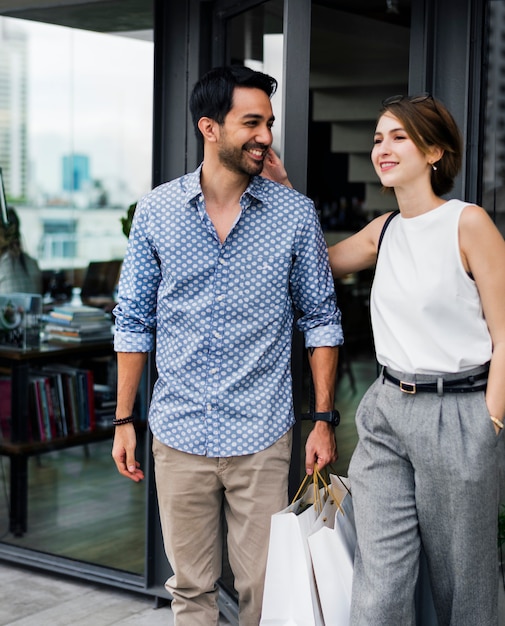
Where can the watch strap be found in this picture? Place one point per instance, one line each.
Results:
(332, 417)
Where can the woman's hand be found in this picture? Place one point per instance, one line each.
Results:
(274, 169)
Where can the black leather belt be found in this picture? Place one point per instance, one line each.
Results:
(466, 384)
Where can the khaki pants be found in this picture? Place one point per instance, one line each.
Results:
(193, 493)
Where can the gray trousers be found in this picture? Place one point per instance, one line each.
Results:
(426, 471)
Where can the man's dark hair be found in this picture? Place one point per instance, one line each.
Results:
(212, 95)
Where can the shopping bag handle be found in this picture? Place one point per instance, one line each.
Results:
(317, 479)
(342, 482)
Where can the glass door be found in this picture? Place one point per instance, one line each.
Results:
(355, 54)
(335, 62)
(359, 55)
(254, 37)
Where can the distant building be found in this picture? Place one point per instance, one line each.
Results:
(75, 172)
(13, 107)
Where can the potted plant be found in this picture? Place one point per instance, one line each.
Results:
(126, 222)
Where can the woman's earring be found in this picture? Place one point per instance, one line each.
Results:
(433, 167)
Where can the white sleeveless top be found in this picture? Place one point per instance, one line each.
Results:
(426, 311)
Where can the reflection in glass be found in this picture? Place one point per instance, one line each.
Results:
(75, 151)
(359, 56)
(79, 507)
(78, 146)
(255, 39)
(493, 164)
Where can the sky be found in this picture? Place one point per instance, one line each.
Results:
(88, 93)
(91, 93)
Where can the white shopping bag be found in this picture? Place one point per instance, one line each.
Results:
(332, 544)
(290, 597)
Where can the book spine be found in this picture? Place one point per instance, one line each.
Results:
(70, 403)
(82, 400)
(39, 410)
(45, 407)
(61, 398)
(91, 400)
(35, 432)
(50, 407)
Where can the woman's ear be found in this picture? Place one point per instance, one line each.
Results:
(209, 129)
(434, 155)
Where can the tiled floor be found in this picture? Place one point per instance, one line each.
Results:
(30, 598)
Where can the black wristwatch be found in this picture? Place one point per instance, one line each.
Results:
(332, 417)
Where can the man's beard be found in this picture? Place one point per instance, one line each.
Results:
(237, 161)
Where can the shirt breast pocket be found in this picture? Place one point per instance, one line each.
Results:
(264, 280)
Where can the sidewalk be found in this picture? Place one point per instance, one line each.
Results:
(34, 598)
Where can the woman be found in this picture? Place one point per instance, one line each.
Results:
(426, 470)
(429, 463)
(19, 272)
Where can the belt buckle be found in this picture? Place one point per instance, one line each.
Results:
(407, 387)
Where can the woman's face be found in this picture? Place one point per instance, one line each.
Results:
(395, 157)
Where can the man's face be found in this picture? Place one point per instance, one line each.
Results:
(246, 133)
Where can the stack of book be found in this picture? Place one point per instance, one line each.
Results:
(71, 323)
(61, 400)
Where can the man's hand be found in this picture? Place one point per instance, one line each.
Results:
(123, 453)
(273, 169)
(321, 447)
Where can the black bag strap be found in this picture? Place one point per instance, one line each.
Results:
(386, 224)
(390, 217)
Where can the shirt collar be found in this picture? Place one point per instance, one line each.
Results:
(256, 190)
(192, 184)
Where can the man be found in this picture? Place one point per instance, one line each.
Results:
(217, 262)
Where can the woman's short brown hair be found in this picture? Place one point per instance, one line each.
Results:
(429, 124)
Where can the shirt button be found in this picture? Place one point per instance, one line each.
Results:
(217, 335)
(220, 298)
(222, 261)
(213, 370)
(209, 407)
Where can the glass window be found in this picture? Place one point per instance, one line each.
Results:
(359, 55)
(75, 152)
(75, 133)
(493, 161)
(255, 39)
(58, 240)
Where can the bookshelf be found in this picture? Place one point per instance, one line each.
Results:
(22, 444)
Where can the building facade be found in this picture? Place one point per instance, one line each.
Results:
(13, 103)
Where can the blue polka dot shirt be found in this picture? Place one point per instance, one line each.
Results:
(221, 314)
